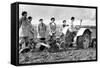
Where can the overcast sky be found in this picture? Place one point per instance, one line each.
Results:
(60, 13)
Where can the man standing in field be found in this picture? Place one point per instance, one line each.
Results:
(70, 32)
(42, 28)
(64, 27)
(30, 28)
(23, 31)
(23, 19)
(71, 26)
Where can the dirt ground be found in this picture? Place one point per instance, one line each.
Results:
(69, 55)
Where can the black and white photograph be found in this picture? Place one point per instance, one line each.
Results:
(51, 34)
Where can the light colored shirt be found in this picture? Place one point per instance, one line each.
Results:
(68, 27)
(52, 27)
(23, 27)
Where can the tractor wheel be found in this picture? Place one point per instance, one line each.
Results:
(86, 41)
(63, 46)
(79, 42)
(83, 41)
(93, 44)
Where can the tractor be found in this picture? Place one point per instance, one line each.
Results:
(83, 38)
(80, 37)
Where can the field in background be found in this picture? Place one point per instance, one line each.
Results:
(59, 29)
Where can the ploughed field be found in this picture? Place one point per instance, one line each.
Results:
(68, 55)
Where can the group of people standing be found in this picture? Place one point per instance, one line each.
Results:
(26, 29)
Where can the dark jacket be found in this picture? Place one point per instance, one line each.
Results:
(42, 29)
